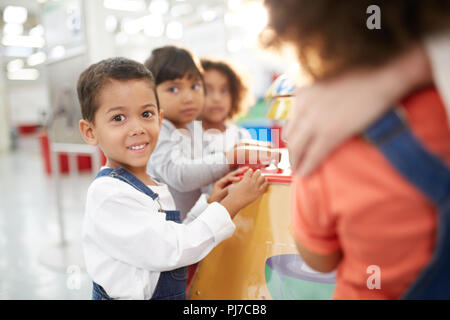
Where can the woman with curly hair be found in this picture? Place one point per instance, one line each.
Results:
(419, 42)
(360, 211)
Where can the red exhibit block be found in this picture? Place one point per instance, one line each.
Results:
(26, 129)
(84, 162)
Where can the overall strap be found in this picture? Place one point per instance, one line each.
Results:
(129, 178)
(173, 215)
(423, 169)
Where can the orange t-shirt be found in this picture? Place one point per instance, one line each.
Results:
(358, 203)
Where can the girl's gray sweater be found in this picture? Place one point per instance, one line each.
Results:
(180, 161)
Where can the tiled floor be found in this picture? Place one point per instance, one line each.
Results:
(29, 232)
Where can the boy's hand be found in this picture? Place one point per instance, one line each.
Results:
(220, 189)
(241, 194)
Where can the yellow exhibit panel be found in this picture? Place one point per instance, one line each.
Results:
(260, 260)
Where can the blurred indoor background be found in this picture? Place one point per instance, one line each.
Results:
(44, 166)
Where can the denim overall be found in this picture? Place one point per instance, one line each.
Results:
(171, 284)
(431, 176)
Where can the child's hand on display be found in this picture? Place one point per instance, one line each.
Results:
(253, 155)
(252, 142)
(251, 187)
(220, 189)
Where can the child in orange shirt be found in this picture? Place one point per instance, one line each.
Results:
(358, 212)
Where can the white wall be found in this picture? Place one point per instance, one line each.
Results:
(27, 101)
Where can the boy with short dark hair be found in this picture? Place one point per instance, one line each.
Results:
(134, 244)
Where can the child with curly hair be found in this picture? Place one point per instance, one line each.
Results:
(226, 98)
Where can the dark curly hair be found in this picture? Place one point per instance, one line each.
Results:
(332, 36)
(238, 90)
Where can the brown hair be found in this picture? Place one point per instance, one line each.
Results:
(237, 87)
(170, 63)
(331, 36)
(93, 79)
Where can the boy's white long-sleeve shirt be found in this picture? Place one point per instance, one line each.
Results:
(127, 242)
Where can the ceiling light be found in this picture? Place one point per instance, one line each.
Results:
(13, 14)
(13, 29)
(23, 41)
(131, 26)
(209, 15)
(154, 26)
(14, 65)
(24, 74)
(174, 30)
(37, 31)
(159, 7)
(37, 58)
(125, 5)
(58, 52)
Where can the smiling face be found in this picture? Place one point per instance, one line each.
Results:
(181, 99)
(126, 124)
(218, 97)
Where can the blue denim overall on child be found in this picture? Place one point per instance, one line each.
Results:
(171, 284)
(432, 177)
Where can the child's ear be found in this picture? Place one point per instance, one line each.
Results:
(88, 132)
